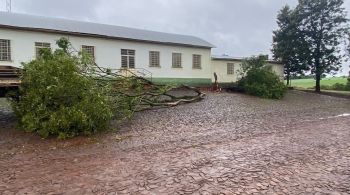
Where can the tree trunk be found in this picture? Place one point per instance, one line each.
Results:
(288, 79)
(318, 83)
(317, 66)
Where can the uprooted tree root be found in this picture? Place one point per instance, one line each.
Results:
(144, 93)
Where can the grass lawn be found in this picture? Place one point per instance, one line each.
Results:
(309, 83)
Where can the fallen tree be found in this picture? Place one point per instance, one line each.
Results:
(65, 93)
(146, 94)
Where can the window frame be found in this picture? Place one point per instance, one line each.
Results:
(6, 54)
(196, 63)
(43, 45)
(87, 48)
(176, 63)
(154, 55)
(230, 68)
(128, 56)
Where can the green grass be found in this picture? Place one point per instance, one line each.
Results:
(309, 83)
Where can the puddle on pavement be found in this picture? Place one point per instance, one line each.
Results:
(343, 115)
(340, 115)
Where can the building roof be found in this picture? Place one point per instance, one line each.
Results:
(230, 58)
(57, 25)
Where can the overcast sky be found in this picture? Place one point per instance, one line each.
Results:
(237, 27)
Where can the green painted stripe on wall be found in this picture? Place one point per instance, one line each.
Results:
(187, 81)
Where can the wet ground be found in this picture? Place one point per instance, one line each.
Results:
(226, 144)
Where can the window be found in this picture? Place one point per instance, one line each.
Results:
(154, 59)
(196, 61)
(90, 50)
(39, 46)
(177, 60)
(5, 50)
(128, 58)
(230, 68)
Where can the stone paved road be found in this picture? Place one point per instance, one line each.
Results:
(227, 144)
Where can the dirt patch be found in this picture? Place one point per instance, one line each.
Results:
(228, 143)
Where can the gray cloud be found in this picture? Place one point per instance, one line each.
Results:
(236, 27)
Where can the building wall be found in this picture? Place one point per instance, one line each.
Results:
(108, 54)
(220, 67)
(278, 69)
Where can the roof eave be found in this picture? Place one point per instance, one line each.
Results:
(101, 36)
(235, 59)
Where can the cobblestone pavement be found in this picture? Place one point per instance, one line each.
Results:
(226, 144)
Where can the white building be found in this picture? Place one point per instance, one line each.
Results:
(167, 58)
(228, 68)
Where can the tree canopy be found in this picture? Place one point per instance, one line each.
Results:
(288, 44)
(310, 37)
(64, 93)
(258, 79)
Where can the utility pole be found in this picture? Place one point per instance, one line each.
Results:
(8, 5)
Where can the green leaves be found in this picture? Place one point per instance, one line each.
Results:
(310, 37)
(289, 45)
(260, 81)
(57, 99)
(65, 94)
(255, 62)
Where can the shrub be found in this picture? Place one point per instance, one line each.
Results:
(56, 99)
(259, 80)
(262, 83)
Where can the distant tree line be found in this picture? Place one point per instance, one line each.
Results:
(311, 37)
